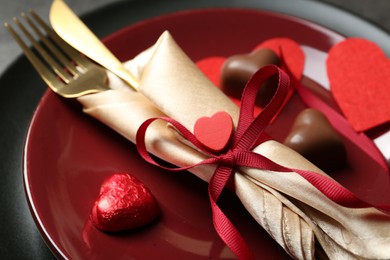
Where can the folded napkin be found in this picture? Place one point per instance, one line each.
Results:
(305, 222)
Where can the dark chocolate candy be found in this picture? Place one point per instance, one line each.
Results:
(238, 69)
(315, 139)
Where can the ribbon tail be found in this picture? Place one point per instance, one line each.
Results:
(338, 193)
(226, 230)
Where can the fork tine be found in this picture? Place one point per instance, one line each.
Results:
(48, 76)
(66, 71)
(53, 49)
(53, 64)
(68, 50)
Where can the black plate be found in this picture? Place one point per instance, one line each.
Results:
(22, 89)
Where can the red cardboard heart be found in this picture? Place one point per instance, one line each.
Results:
(359, 75)
(211, 67)
(214, 132)
(124, 203)
(293, 55)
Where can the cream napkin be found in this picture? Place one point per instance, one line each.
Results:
(291, 210)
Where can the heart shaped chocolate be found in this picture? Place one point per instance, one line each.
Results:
(359, 75)
(314, 138)
(238, 69)
(214, 132)
(124, 203)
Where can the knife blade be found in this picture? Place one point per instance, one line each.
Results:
(72, 30)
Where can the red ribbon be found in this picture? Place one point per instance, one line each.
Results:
(249, 134)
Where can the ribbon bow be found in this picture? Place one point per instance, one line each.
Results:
(249, 134)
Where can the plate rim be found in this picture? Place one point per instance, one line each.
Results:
(54, 247)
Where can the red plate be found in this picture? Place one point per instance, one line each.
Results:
(68, 154)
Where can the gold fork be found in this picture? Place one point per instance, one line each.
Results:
(66, 71)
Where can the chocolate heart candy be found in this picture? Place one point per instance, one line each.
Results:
(124, 203)
(315, 139)
(238, 69)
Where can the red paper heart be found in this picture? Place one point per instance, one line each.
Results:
(359, 75)
(214, 132)
(293, 55)
(124, 203)
(211, 67)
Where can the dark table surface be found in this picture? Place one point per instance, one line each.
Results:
(374, 11)
(19, 237)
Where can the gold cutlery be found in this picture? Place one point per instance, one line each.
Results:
(72, 30)
(66, 71)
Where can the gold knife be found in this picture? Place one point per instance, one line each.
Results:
(69, 27)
